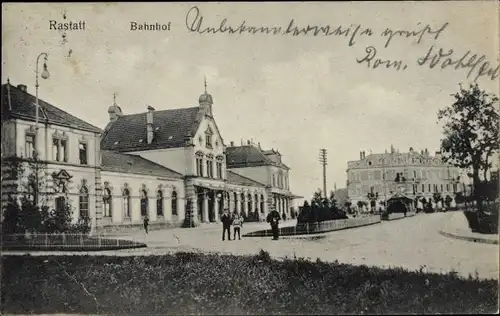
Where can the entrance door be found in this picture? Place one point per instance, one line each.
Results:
(211, 205)
(60, 204)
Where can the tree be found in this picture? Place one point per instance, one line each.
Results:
(471, 131)
(332, 200)
(27, 209)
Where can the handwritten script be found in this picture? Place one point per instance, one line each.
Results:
(435, 57)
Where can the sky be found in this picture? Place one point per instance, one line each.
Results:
(296, 94)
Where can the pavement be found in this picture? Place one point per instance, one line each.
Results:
(412, 243)
(458, 227)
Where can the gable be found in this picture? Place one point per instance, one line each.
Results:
(208, 126)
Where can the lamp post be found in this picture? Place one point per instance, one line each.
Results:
(45, 75)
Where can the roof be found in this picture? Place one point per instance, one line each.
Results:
(399, 196)
(129, 133)
(248, 156)
(22, 105)
(117, 162)
(234, 178)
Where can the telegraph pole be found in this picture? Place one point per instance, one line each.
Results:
(324, 162)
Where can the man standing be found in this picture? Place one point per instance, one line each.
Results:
(146, 223)
(226, 225)
(273, 218)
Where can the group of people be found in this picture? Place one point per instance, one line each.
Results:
(227, 220)
(236, 221)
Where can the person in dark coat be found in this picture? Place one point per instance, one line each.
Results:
(273, 218)
(226, 220)
(146, 223)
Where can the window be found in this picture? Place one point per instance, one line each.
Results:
(83, 153)
(447, 187)
(423, 187)
(242, 202)
(174, 203)
(144, 203)
(107, 199)
(429, 188)
(126, 203)
(219, 170)
(55, 150)
(210, 169)
(159, 203)
(208, 140)
(274, 180)
(30, 146)
(84, 202)
(441, 188)
(59, 149)
(64, 149)
(199, 166)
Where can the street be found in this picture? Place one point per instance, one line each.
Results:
(411, 243)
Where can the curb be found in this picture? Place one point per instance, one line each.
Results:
(469, 238)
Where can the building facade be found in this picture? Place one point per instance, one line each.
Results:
(171, 165)
(265, 166)
(415, 174)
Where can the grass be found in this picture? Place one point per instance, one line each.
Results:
(191, 283)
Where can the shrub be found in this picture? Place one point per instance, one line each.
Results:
(193, 283)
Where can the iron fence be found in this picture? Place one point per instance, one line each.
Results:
(41, 241)
(319, 227)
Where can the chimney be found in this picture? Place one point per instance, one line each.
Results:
(259, 145)
(360, 155)
(232, 144)
(149, 123)
(22, 87)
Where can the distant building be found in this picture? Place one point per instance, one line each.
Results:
(414, 174)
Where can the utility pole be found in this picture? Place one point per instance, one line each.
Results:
(324, 162)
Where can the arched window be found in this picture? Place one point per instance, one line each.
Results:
(126, 203)
(174, 203)
(84, 202)
(159, 203)
(144, 203)
(107, 202)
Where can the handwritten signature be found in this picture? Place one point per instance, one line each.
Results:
(478, 65)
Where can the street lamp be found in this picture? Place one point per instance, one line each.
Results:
(45, 75)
